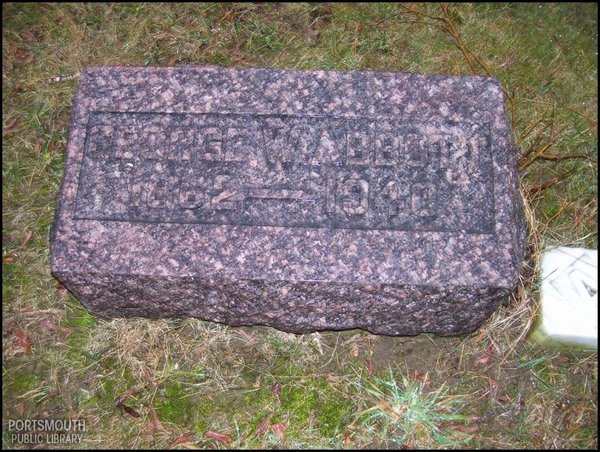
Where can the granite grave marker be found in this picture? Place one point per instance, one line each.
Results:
(303, 200)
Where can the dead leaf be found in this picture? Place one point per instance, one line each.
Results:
(423, 378)
(28, 236)
(150, 429)
(331, 378)
(10, 259)
(484, 359)
(46, 323)
(223, 438)
(10, 127)
(37, 147)
(27, 36)
(20, 409)
(23, 55)
(279, 430)
(370, 366)
(130, 411)
(155, 422)
(276, 388)
(126, 394)
(23, 341)
(263, 425)
(18, 87)
(238, 47)
(173, 60)
(563, 359)
(465, 428)
(31, 36)
(389, 409)
(62, 290)
(347, 440)
(52, 147)
(182, 439)
(313, 36)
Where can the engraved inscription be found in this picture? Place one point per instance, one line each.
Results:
(294, 171)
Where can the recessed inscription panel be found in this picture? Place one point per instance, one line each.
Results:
(294, 171)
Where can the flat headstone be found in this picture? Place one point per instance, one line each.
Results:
(303, 200)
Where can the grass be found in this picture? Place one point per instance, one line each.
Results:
(409, 414)
(259, 387)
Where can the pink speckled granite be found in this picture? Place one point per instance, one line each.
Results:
(303, 200)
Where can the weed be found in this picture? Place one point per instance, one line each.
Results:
(409, 414)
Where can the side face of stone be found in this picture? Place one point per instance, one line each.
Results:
(303, 200)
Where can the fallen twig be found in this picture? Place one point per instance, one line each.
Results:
(60, 78)
(446, 25)
(536, 191)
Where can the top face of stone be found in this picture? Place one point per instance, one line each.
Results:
(287, 170)
(301, 175)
